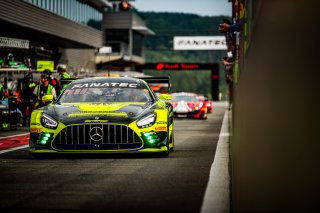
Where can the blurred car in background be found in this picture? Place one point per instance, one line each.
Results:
(187, 105)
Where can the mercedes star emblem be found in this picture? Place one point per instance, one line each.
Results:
(96, 133)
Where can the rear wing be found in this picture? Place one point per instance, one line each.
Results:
(157, 82)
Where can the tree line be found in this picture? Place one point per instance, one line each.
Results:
(159, 48)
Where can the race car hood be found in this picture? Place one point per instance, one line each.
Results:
(112, 112)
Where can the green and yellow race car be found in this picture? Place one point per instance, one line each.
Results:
(104, 115)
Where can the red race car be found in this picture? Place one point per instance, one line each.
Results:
(187, 105)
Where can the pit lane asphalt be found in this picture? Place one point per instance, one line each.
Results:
(20, 130)
(115, 183)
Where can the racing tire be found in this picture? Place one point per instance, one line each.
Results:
(166, 153)
(204, 117)
(172, 141)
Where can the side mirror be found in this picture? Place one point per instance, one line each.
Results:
(47, 98)
(165, 97)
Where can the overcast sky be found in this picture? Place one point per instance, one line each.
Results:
(200, 7)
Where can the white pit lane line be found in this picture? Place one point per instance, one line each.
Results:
(14, 148)
(217, 195)
(12, 136)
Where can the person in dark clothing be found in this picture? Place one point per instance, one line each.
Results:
(27, 98)
(229, 64)
(1, 91)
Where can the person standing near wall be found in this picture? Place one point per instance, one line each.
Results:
(234, 34)
(1, 91)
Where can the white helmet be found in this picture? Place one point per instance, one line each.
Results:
(62, 67)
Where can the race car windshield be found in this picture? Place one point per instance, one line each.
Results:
(187, 98)
(105, 94)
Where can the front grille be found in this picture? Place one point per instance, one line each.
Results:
(97, 137)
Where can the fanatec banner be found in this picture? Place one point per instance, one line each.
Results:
(199, 43)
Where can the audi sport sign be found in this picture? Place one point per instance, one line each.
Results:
(199, 43)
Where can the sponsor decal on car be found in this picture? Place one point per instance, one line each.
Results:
(161, 128)
(97, 85)
(35, 130)
(96, 121)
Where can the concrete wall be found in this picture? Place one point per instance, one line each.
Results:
(275, 147)
(80, 61)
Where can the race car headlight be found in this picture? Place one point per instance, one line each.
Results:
(199, 106)
(48, 122)
(147, 121)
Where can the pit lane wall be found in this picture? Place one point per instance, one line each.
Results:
(275, 140)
